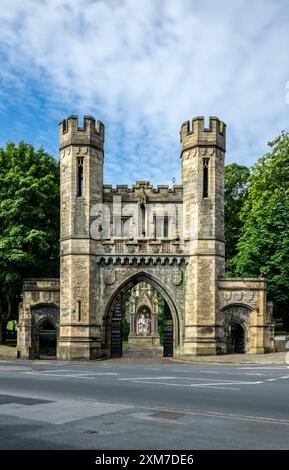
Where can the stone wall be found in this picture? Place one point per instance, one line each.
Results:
(41, 302)
(244, 301)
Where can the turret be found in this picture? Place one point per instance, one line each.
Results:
(81, 158)
(202, 155)
(195, 134)
(89, 134)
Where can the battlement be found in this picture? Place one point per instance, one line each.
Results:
(142, 185)
(161, 193)
(195, 134)
(91, 133)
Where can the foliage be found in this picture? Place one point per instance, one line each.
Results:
(236, 188)
(264, 242)
(29, 220)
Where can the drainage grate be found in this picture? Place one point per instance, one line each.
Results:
(167, 415)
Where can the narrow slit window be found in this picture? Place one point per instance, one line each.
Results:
(79, 310)
(143, 220)
(80, 176)
(154, 226)
(166, 226)
(206, 177)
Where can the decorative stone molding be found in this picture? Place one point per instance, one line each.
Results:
(176, 277)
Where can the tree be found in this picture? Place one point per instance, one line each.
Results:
(236, 188)
(264, 242)
(29, 222)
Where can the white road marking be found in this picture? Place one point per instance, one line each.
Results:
(264, 367)
(222, 388)
(81, 375)
(209, 372)
(149, 378)
(253, 373)
(229, 383)
(50, 371)
(222, 381)
(208, 385)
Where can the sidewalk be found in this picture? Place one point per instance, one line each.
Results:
(8, 352)
(271, 358)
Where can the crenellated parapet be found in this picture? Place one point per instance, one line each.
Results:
(195, 134)
(92, 132)
(162, 192)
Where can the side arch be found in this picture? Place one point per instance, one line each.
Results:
(41, 314)
(237, 314)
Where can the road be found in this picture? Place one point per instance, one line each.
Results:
(145, 404)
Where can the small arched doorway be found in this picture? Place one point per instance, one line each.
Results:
(153, 330)
(235, 339)
(44, 331)
(47, 337)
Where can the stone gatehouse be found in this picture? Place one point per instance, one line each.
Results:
(172, 238)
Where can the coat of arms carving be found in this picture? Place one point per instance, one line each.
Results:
(176, 277)
(109, 276)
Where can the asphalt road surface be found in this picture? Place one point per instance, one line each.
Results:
(148, 404)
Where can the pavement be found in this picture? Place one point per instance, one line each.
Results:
(270, 358)
(8, 352)
(148, 404)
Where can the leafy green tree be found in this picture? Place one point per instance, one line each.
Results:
(29, 222)
(236, 188)
(264, 242)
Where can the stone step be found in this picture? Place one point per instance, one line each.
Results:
(143, 352)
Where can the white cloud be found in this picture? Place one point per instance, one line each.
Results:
(145, 66)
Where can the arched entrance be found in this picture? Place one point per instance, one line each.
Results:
(235, 339)
(45, 330)
(47, 340)
(150, 333)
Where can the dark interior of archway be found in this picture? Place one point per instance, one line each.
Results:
(120, 324)
(47, 340)
(236, 339)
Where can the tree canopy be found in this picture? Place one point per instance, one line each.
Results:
(264, 242)
(29, 220)
(236, 188)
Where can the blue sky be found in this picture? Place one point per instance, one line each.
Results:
(143, 67)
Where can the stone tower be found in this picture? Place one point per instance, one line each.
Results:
(202, 155)
(81, 159)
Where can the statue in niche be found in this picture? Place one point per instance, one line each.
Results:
(141, 198)
(143, 324)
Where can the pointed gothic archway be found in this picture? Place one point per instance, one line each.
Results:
(114, 314)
